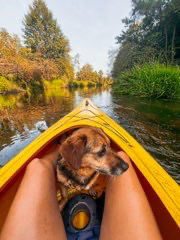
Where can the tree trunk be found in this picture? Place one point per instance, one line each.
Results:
(172, 44)
(166, 44)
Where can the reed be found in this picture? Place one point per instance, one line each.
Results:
(150, 80)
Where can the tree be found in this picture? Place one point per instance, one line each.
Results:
(76, 62)
(65, 68)
(42, 33)
(152, 34)
(9, 45)
(86, 73)
(162, 17)
(112, 53)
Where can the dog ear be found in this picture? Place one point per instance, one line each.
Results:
(72, 150)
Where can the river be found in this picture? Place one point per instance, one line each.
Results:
(154, 123)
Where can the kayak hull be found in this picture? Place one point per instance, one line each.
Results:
(162, 191)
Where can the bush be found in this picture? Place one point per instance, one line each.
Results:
(150, 80)
(81, 84)
(27, 73)
(73, 84)
(7, 86)
(55, 84)
(91, 84)
(27, 69)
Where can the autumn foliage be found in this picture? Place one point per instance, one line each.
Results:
(21, 66)
(45, 57)
(88, 76)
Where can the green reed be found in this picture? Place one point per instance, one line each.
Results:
(150, 80)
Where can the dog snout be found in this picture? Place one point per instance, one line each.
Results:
(121, 167)
(124, 165)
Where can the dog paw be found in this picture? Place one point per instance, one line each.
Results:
(93, 193)
(70, 185)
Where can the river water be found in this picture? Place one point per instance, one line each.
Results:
(154, 123)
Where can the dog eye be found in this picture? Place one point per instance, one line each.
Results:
(102, 152)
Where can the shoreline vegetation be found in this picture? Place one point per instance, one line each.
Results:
(21, 70)
(147, 61)
(152, 80)
(8, 87)
(145, 64)
(40, 63)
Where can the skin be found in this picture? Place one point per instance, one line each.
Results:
(130, 216)
(34, 213)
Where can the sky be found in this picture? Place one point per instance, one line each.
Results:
(90, 25)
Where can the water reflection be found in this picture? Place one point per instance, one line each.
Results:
(154, 123)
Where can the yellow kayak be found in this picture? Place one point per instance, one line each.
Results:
(162, 191)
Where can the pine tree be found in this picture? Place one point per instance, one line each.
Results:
(42, 33)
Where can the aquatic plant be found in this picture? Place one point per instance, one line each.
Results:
(150, 80)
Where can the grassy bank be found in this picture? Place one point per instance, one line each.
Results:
(33, 87)
(150, 80)
(88, 84)
(54, 84)
(7, 86)
(81, 84)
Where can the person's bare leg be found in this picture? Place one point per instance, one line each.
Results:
(127, 214)
(34, 214)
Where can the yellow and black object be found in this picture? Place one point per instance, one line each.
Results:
(81, 217)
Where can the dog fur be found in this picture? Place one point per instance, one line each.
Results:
(84, 155)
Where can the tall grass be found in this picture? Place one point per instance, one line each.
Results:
(150, 80)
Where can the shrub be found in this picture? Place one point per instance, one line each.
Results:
(7, 86)
(73, 84)
(55, 84)
(150, 80)
(91, 84)
(81, 84)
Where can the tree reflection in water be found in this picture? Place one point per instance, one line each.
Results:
(154, 123)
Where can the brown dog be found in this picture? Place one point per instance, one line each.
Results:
(84, 155)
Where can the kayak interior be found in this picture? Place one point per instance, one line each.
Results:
(167, 225)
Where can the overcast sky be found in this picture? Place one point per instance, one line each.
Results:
(90, 25)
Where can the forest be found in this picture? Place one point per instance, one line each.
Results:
(148, 57)
(146, 62)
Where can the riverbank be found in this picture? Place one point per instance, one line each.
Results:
(59, 83)
(149, 80)
(88, 84)
(7, 87)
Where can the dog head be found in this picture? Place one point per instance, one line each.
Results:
(89, 147)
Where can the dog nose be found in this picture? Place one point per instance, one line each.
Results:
(121, 167)
(124, 166)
